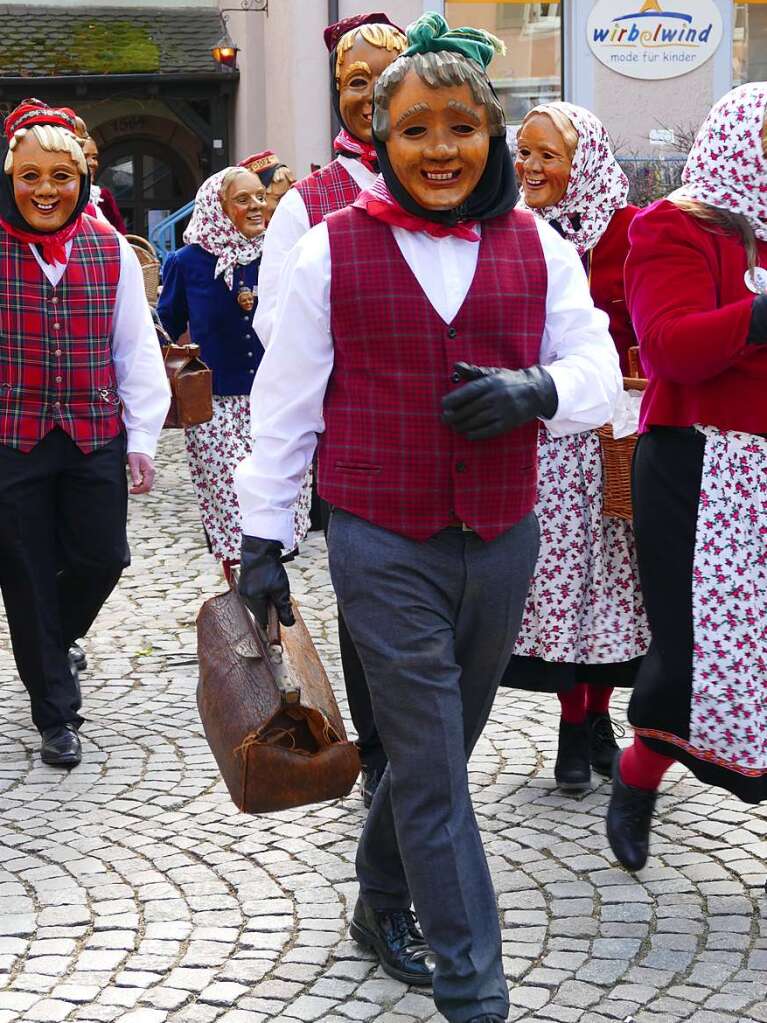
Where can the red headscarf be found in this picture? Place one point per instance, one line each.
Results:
(333, 32)
(27, 114)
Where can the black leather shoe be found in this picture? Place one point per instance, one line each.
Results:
(603, 744)
(61, 746)
(369, 781)
(572, 770)
(629, 817)
(395, 937)
(77, 657)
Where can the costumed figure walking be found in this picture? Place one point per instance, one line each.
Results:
(210, 288)
(81, 385)
(275, 176)
(584, 630)
(360, 48)
(427, 457)
(696, 284)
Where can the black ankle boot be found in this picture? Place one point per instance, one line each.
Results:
(603, 744)
(394, 935)
(629, 817)
(572, 770)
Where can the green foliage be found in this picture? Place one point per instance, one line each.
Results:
(98, 48)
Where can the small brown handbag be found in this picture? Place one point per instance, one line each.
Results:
(268, 710)
(191, 386)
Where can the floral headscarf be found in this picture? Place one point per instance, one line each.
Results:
(726, 166)
(597, 187)
(212, 230)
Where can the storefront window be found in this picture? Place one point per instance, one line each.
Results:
(749, 53)
(531, 71)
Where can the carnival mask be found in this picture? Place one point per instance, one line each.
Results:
(438, 142)
(362, 64)
(91, 154)
(46, 186)
(245, 204)
(281, 182)
(543, 162)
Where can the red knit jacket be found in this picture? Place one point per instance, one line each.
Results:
(691, 311)
(607, 260)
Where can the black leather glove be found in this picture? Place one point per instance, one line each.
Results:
(757, 332)
(498, 400)
(263, 578)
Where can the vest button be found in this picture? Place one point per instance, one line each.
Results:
(57, 352)
(57, 404)
(58, 380)
(55, 299)
(451, 332)
(460, 466)
(57, 326)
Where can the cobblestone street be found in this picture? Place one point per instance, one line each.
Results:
(131, 889)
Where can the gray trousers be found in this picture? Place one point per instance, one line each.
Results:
(434, 624)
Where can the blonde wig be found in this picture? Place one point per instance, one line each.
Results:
(385, 37)
(52, 139)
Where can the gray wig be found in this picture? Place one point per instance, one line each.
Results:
(436, 70)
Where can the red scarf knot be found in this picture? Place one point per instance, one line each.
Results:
(379, 203)
(53, 246)
(346, 144)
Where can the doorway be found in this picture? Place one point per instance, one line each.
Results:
(148, 180)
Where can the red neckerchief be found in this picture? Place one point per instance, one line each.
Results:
(378, 202)
(53, 245)
(349, 145)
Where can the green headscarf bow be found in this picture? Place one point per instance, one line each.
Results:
(432, 34)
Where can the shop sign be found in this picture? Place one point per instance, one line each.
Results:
(647, 40)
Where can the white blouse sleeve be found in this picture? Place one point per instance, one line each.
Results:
(141, 381)
(577, 349)
(288, 225)
(288, 393)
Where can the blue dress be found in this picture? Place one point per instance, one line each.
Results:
(191, 297)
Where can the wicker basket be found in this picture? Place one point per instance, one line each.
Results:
(617, 455)
(150, 265)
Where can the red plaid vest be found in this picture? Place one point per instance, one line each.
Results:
(385, 454)
(329, 189)
(55, 352)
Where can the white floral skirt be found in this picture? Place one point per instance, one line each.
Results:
(214, 450)
(585, 605)
(728, 713)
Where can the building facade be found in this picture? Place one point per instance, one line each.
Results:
(166, 114)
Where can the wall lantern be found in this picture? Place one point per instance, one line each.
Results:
(225, 51)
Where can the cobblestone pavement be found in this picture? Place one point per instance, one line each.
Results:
(132, 890)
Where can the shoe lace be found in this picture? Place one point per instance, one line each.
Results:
(403, 927)
(604, 732)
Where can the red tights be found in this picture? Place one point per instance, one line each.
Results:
(642, 767)
(584, 699)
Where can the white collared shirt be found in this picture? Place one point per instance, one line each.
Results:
(289, 389)
(289, 224)
(142, 384)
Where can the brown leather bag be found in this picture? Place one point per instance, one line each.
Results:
(191, 386)
(269, 713)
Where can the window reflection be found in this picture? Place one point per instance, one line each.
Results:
(119, 178)
(531, 70)
(749, 53)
